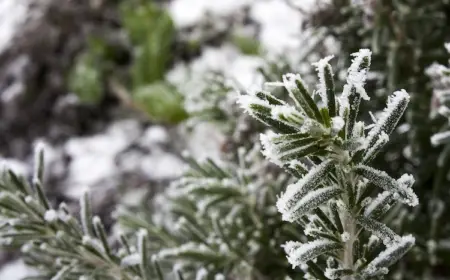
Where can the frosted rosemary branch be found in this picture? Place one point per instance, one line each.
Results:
(319, 139)
(56, 243)
(219, 221)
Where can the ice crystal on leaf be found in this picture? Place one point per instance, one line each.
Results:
(299, 253)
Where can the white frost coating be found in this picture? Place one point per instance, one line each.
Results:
(440, 138)
(337, 123)
(290, 246)
(219, 277)
(51, 215)
(320, 68)
(39, 147)
(131, 260)
(283, 112)
(331, 273)
(406, 180)
(294, 164)
(382, 198)
(362, 92)
(357, 129)
(290, 79)
(345, 236)
(295, 192)
(444, 111)
(344, 104)
(273, 145)
(307, 203)
(246, 100)
(93, 242)
(202, 273)
(184, 248)
(371, 151)
(447, 47)
(290, 83)
(391, 254)
(401, 188)
(356, 77)
(298, 255)
(396, 105)
(269, 149)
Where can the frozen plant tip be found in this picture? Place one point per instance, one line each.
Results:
(328, 150)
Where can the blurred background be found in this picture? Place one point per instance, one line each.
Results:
(117, 90)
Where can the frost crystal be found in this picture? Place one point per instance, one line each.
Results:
(300, 253)
(396, 105)
(337, 123)
(308, 203)
(440, 138)
(51, 215)
(295, 192)
(345, 236)
(246, 101)
(380, 178)
(131, 260)
(357, 73)
(378, 203)
(320, 68)
(389, 256)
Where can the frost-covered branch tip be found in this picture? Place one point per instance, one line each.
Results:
(329, 150)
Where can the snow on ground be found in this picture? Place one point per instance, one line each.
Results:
(205, 141)
(280, 25)
(101, 159)
(241, 70)
(13, 13)
(93, 156)
(16, 270)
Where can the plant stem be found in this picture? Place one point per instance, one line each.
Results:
(349, 227)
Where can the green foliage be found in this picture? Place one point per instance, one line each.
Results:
(87, 75)
(161, 101)
(152, 33)
(246, 44)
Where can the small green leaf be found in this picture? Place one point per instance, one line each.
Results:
(161, 102)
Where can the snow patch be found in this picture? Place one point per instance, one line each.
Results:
(16, 270)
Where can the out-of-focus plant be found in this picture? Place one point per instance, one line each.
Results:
(86, 78)
(151, 34)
